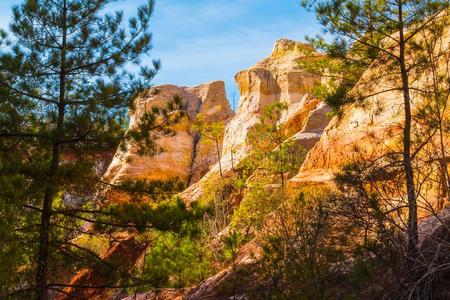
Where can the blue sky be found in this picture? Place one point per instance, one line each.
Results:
(204, 40)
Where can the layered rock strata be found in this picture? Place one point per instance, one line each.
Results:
(185, 155)
(373, 128)
(277, 78)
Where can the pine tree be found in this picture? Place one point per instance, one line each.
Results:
(67, 79)
(272, 150)
(213, 132)
(371, 32)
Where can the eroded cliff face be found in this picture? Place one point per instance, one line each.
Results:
(360, 130)
(277, 78)
(373, 128)
(185, 155)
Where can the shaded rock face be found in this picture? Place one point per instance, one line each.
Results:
(313, 119)
(120, 257)
(277, 78)
(185, 155)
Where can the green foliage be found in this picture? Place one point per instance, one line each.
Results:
(257, 203)
(213, 132)
(263, 173)
(268, 133)
(272, 151)
(217, 196)
(150, 190)
(340, 75)
(176, 260)
(390, 37)
(15, 229)
(177, 257)
(68, 76)
(370, 215)
(168, 215)
(322, 244)
(231, 243)
(359, 34)
(96, 243)
(153, 124)
(297, 250)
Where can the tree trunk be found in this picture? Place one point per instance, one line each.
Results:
(411, 194)
(51, 187)
(218, 156)
(232, 161)
(280, 149)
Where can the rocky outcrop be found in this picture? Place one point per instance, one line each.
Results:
(372, 128)
(277, 78)
(99, 283)
(313, 124)
(366, 129)
(185, 155)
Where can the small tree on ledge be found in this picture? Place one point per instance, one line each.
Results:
(212, 131)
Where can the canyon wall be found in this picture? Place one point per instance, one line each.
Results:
(373, 127)
(185, 154)
(277, 78)
(360, 131)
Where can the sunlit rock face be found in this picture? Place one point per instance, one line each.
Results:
(277, 78)
(374, 127)
(360, 132)
(184, 154)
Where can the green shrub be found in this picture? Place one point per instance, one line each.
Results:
(176, 261)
